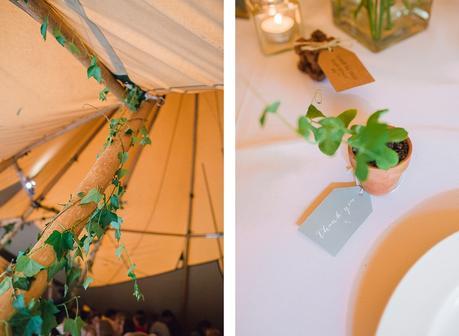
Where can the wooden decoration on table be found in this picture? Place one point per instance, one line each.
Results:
(309, 57)
(322, 56)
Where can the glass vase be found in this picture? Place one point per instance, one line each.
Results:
(378, 24)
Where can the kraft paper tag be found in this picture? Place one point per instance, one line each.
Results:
(343, 69)
(337, 217)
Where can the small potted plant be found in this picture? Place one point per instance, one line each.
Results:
(378, 153)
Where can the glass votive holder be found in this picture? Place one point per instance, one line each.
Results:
(278, 23)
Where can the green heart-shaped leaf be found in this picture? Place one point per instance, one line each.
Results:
(347, 116)
(314, 112)
(28, 266)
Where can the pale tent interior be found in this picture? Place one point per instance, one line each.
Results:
(52, 124)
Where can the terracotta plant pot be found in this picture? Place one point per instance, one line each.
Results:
(379, 181)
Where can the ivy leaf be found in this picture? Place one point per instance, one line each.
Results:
(33, 326)
(58, 36)
(73, 48)
(94, 228)
(387, 159)
(73, 274)
(134, 140)
(397, 134)
(131, 273)
(5, 285)
(271, 108)
(73, 326)
(44, 28)
(94, 70)
(115, 202)
(116, 225)
(145, 136)
(372, 141)
(93, 196)
(137, 292)
(347, 116)
(304, 127)
(25, 321)
(121, 172)
(87, 282)
(22, 283)
(19, 302)
(56, 267)
(61, 242)
(103, 94)
(48, 313)
(314, 112)
(374, 118)
(106, 217)
(133, 97)
(9, 227)
(86, 244)
(122, 157)
(329, 136)
(361, 169)
(27, 266)
(119, 250)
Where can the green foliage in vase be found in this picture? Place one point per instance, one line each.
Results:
(369, 141)
(379, 15)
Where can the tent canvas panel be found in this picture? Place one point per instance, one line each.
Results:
(157, 196)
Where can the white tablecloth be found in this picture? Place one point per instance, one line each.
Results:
(286, 284)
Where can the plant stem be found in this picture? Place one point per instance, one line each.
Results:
(388, 15)
(371, 18)
(286, 122)
(381, 8)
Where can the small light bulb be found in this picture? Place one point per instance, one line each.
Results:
(29, 185)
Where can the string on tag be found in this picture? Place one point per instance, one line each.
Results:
(314, 45)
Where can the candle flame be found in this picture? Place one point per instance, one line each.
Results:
(278, 18)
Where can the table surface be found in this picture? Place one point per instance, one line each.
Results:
(286, 284)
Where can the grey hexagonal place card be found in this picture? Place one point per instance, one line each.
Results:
(337, 217)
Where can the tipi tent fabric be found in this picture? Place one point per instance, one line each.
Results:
(46, 92)
(161, 45)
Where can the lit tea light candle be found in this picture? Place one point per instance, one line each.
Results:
(278, 28)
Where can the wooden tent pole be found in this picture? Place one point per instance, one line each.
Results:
(42, 9)
(131, 164)
(186, 258)
(74, 218)
(212, 210)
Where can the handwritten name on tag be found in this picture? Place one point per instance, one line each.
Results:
(337, 217)
(343, 69)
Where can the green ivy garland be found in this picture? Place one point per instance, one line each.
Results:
(38, 317)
